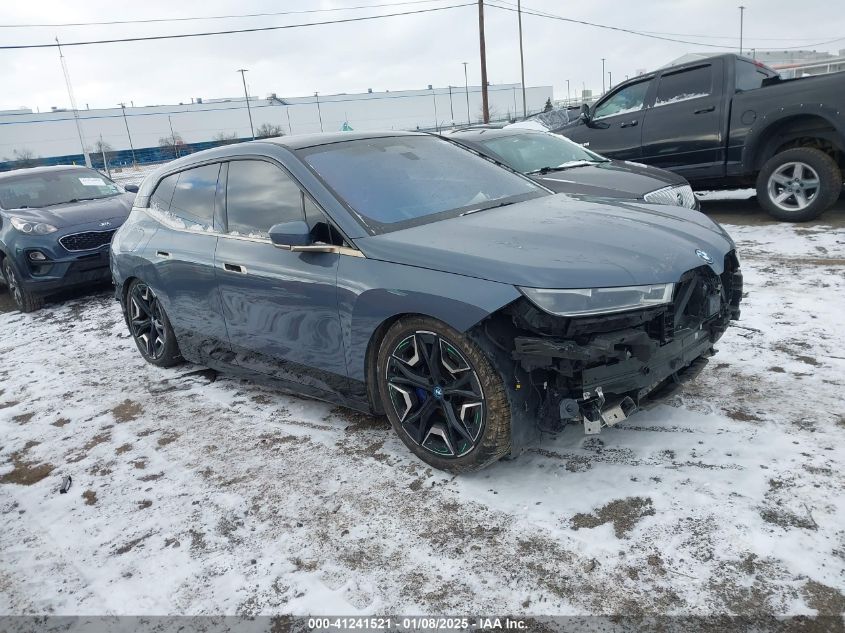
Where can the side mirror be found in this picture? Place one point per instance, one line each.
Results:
(289, 234)
(131, 188)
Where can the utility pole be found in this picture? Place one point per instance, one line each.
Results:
(319, 112)
(741, 17)
(436, 121)
(126, 123)
(173, 137)
(568, 98)
(466, 87)
(73, 105)
(485, 107)
(602, 76)
(521, 58)
(246, 94)
(451, 106)
(609, 80)
(103, 152)
(290, 129)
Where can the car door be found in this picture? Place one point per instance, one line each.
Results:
(682, 130)
(186, 205)
(280, 307)
(615, 126)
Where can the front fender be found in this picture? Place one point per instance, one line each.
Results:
(372, 291)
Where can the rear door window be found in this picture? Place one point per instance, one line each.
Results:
(628, 99)
(193, 197)
(684, 85)
(259, 195)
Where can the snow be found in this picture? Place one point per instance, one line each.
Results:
(679, 98)
(199, 496)
(527, 125)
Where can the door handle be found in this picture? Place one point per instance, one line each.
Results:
(703, 110)
(633, 123)
(235, 268)
(162, 253)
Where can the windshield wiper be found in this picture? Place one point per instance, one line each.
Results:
(71, 201)
(492, 206)
(567, 165)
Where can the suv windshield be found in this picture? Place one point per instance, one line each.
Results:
(45, 189)
(534, 152)
(402, 181)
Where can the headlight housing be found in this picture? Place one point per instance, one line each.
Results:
(38, 228)
(574, 302)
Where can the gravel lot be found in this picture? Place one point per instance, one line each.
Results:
(197, 494)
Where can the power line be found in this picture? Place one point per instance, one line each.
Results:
(232, 31)
(217, 17)
(649, 34)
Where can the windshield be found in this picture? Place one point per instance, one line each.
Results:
(532, 152)
(44, 189)
(396, 182)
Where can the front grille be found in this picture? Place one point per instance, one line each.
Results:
(86, 241)
(679, 196)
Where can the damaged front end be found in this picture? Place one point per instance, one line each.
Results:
(600, 368)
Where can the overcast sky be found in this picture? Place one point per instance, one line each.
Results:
(393, 53)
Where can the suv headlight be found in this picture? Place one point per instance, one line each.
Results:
(39, 228)
(572, 302)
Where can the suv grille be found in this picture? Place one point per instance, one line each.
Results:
(679, 196)
(86, 241)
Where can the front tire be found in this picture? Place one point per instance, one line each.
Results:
(799, 184)
(25, 300)
(149, 326)
(442, 396)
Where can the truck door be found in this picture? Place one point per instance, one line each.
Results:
(615, 126)
(682, 130)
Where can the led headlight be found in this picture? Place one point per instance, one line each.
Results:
(39, 228)
(573, 302)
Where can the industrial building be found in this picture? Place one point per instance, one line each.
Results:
(52, 137)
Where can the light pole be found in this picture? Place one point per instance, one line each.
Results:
(521, 58)
(319, 112)
(602, 76)
(741, 16)
(246, 95)
(126, 123)
(568, 98)
(466, 88)
(451, 106)
(436, 121)
(609, 80)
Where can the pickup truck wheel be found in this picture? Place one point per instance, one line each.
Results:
(799, 184)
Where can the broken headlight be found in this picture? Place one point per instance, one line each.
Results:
(573, 302)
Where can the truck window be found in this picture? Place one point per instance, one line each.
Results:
(684, 85)
(628, 99)
(749, 76)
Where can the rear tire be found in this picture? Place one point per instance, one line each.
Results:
(149, 326)
(25, 300)
(799, 184)
(442, 396)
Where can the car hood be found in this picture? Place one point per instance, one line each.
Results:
(615, 179)
(114, 208)
(561, 241)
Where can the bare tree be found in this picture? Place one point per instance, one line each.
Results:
(25, 157)
(174, 142)
(226, 138)
(268, 130)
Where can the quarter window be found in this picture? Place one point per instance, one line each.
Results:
(193, 197)
(628, 99)
(259, 195)
(684, 85)
(749, 76)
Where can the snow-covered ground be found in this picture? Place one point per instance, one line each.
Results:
(196, 495)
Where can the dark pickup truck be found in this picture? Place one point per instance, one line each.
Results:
(725, 122)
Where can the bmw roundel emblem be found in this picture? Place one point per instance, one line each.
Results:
(438, 392)
(703, 255)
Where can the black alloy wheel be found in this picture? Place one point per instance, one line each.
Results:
(149, 326)
(442, 396)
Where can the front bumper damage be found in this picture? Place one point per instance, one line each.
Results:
(599, 370)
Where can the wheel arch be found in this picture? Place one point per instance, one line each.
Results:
(800, 126)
